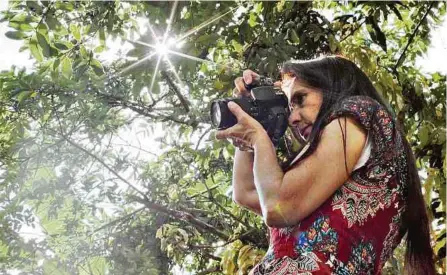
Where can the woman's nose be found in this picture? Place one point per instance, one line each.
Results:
(294, 117)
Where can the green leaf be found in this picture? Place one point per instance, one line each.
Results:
(237, 47)
(23, 18)
(333, 44)
(294, 36)
(43, 43)
(67, 69)
(61, 46)
(102, 36)
(376, 33)
(75, 32)
(135, 52)
(53, 23)
(21, 26)
(34, 6)
(86, 29)
(428, 186)
(52, 267)
(16, 35)
(218, 84)
(97, 67)
(252, 20)
(440, 245)
(99, 49)
(423, 135)
(36, 51)
(43, 29)
(84, 52)
(23, 95)
(67, 6)
(56, 64)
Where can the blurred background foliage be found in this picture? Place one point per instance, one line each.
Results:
(108, 163)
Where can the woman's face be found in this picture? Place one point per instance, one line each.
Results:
(305, 103)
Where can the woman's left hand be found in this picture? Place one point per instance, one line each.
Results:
(245, 132)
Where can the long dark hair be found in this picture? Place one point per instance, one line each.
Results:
(339, 78)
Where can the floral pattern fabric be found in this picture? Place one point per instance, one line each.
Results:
(357, 228)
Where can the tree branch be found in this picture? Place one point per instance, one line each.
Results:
(211, 270)
(402, 56)
(211, 197)
(142, 110)
(201, 137)
(184, 216)
(104, 164)
(176, 91)
(119, 220)
(352, 32)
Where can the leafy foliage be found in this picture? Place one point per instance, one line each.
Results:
(109, 165)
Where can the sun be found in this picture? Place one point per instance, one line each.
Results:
(164, 47)
(161, 49)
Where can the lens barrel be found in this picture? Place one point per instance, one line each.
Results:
(221, 116)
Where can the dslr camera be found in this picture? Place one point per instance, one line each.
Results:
(266, 103)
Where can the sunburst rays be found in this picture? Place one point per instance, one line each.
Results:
(161, 47)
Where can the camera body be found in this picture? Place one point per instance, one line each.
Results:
(267, 104)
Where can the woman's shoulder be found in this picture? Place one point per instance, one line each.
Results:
(363, 109)
(358, 101)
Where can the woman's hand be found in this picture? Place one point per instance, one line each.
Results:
(245, 132)
(247, 78)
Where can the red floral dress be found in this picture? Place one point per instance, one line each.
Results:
(356, 230)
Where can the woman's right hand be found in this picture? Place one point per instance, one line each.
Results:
(247, 78)
(240, 90)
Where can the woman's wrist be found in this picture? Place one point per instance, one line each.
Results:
(261, 140)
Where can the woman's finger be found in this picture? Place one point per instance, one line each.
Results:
(240, 87)
(228, 133)
(236, 110)
(248, 76)
(240, 144)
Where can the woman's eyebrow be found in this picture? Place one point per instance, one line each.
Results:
(300, 91)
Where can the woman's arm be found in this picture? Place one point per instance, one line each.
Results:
(244, 190)
(287, 198)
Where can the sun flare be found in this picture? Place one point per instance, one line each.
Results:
(161, 49)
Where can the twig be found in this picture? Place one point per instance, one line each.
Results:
(121, 219)
(104, 164)
(211, 270)
(201, 137)
(352, 32)
(400, 60)
(204, 191)
(136, 147)
(184, 216)
(176, 91)
(211, 197)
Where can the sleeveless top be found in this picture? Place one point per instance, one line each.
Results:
(356, 229)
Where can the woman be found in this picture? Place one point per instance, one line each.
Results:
(351, 194)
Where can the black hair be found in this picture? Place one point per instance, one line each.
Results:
(339, 78)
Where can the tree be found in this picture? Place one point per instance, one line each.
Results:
(84, 162)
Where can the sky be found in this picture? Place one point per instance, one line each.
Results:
(9, 49)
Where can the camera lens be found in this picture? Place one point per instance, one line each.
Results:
(221, 116)
(215, 114)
